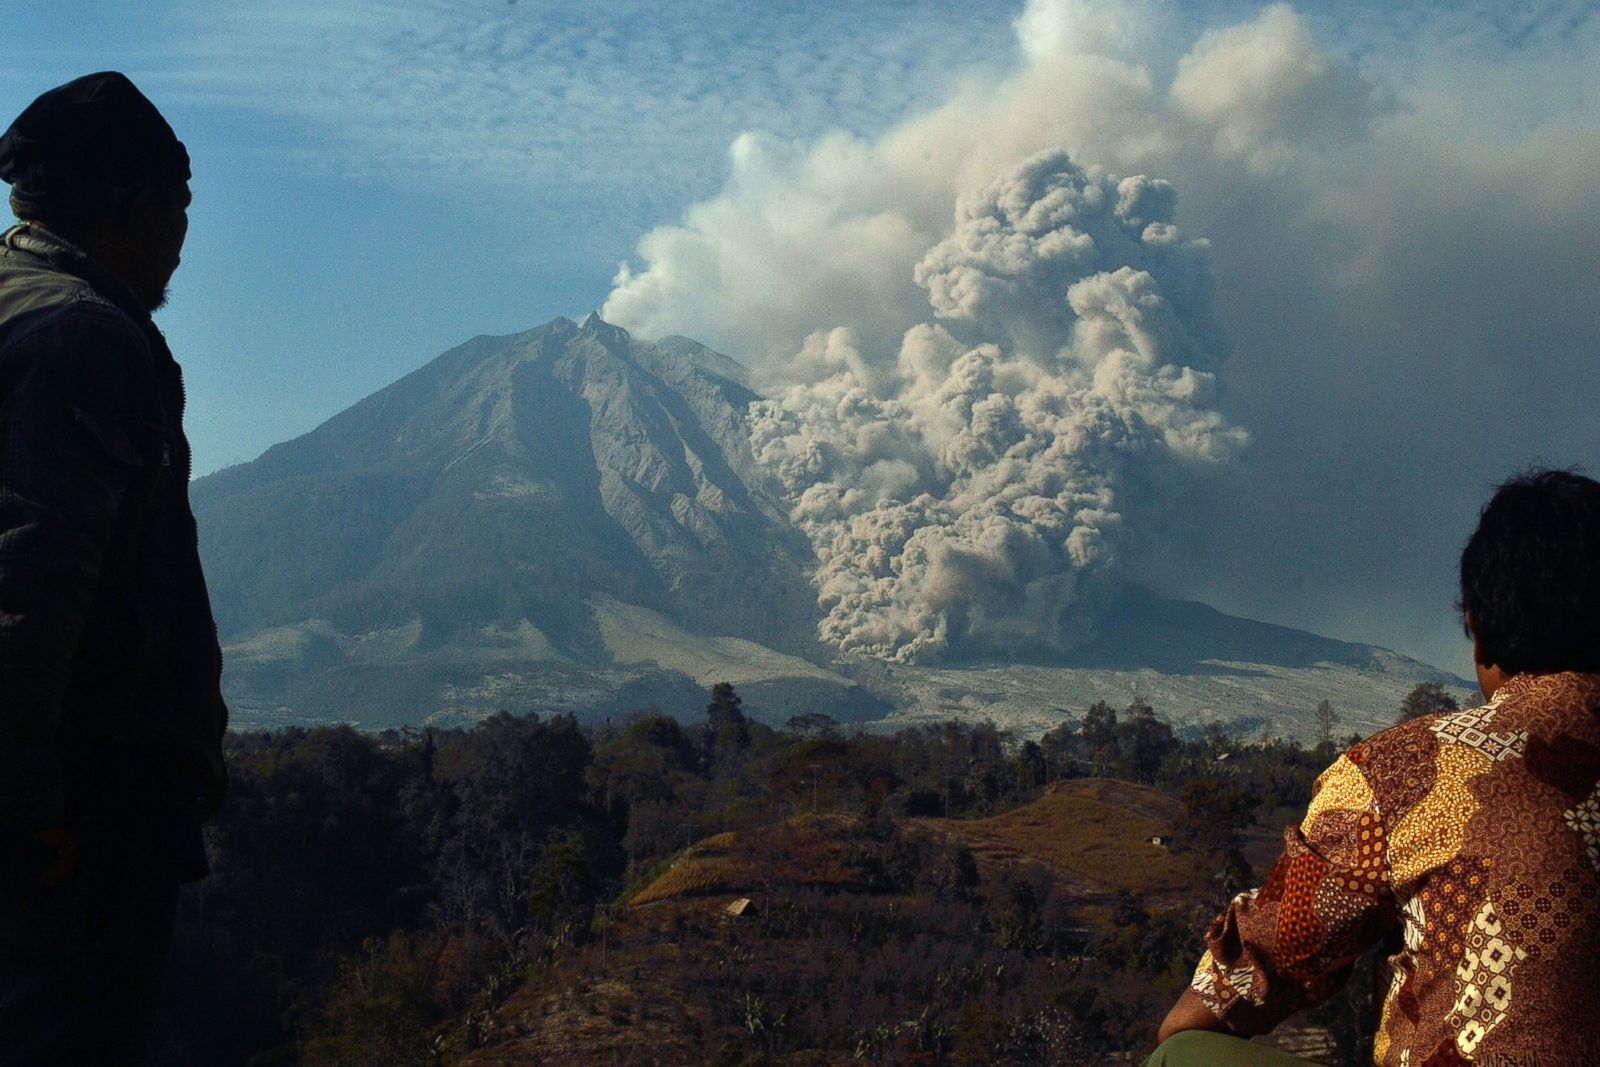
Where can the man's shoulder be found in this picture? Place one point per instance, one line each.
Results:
(1395, 765)
(40, 279)
(79, 345)
(1402, 734)
(42, 309)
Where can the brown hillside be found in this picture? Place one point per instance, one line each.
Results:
(675, 978)
(1093, 834)
(813, 851)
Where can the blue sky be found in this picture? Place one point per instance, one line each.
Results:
(1399, 200)
(375, 182)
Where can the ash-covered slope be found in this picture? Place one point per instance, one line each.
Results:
(482, 502)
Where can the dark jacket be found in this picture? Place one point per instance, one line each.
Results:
(111, 711)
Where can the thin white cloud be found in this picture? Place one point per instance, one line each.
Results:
(599, 104)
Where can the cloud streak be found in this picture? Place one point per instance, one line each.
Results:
(624, 106)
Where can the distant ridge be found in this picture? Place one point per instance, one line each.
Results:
(1140, 630)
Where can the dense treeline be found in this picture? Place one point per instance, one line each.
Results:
(376, 898)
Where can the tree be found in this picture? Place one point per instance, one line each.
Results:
(1216, 813)
(563, 887)
(1426, 700)
(813, 724)
(726, 708)
(1326, 719)
(1031, 768)
(1058, 747)
(1143, 742)
(514, 781)
(1099, 725)
(728, 731)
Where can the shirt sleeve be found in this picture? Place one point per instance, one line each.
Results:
(1290, 944)
(66, 462)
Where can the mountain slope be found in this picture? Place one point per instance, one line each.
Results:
(504, 483)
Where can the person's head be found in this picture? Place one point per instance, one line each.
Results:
(94, 161)
(1530, 576)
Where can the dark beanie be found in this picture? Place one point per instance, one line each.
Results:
(88, 136)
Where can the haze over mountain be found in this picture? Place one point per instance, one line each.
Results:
(571, 519)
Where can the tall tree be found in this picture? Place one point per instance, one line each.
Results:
(1427, 699)
(727, 729)
(1326, 719)
(1099, 725)
(726, 708)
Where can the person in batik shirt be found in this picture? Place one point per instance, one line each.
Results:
(1477, 832)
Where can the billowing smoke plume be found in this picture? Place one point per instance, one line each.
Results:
(1402, 211)
(966, 494)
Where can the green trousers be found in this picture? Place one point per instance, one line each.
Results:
(1203, 1048)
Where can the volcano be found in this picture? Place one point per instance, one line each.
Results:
(569, 519)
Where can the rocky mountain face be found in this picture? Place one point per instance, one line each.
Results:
(569, 519)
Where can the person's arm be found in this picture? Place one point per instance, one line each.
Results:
(1290, 944)
(67, 388)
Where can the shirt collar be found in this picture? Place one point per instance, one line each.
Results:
(1529, 682)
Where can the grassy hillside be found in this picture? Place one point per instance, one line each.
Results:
(1093, 834)
(835, 851)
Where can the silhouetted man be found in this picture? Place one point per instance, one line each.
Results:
(111, 716)
(1476, 833)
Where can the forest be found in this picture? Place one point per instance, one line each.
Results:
(537, 890)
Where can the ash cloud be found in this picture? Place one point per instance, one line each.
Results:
(971, 492)
(1401, 209)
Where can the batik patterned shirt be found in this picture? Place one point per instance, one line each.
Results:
(1478, 832)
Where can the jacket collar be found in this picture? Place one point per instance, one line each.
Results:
(62, 255)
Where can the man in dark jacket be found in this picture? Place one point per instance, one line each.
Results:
(111, 715)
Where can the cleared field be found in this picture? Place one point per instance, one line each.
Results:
(1093, 832)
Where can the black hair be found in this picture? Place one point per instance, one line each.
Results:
(1530, 575)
